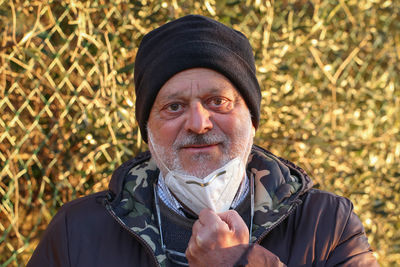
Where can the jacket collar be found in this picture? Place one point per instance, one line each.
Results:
(278, 185)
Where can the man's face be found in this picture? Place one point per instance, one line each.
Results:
(198, 123)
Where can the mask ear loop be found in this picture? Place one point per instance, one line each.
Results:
(150, 135)
(251, 205)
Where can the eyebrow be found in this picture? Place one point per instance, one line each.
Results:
(209, 91)
(173, 95)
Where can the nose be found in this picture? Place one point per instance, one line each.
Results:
(198, 120)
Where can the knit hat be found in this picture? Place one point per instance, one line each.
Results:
(193, 41)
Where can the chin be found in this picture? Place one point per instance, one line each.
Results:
(200, 169)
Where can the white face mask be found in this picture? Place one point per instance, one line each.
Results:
(216, 191)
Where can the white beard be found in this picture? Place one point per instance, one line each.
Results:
(167, 158)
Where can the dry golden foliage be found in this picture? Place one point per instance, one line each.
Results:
(329, 72)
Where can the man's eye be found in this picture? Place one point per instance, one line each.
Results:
(174, 107)
(218, 101)
(220, 104)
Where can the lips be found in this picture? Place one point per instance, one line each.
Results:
(199, 147)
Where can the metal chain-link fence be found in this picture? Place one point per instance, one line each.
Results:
(329, 71)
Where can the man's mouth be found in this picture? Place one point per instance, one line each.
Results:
(199, 147)
(200, 143)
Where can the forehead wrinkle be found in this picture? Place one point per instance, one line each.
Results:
(194, 82)
(195, 86)
(175, 95)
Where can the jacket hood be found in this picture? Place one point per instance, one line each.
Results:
(120, 174)
(278, 186)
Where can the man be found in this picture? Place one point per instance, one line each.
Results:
(203, 195)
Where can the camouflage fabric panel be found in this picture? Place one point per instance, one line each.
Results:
(276, 188)
(135, 208)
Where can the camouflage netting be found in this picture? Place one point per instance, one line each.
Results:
(329, 71)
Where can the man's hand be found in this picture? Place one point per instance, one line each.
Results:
(217, 239)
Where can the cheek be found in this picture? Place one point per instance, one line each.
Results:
(227, 124)
(235, 126)
(164, 132)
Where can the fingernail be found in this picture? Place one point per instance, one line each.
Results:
(199, 241)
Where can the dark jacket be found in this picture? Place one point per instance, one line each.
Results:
(301, 225)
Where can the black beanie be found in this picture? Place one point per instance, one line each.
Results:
(193, 41)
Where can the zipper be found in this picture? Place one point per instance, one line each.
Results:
(139, 238)
(266, 232)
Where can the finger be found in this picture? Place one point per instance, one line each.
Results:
(204, 239)
(196, 227)
(208, 217)
(203, 235)
(199, 241)
(211, 222)
(233, 220)
(236, 224)
(193, 252)
(190, 249)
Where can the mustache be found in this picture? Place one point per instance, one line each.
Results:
(199, 139)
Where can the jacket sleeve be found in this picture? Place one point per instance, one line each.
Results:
(259, 256)
(351, 248)
(53, 247)
(322, 231)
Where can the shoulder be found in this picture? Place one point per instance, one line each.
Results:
(78, 213)
(326, 205)
(331, 216)
(84, 205)
(71, 223)
(325, 198)
(83, 221)
(322, 229)
(338, 228)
